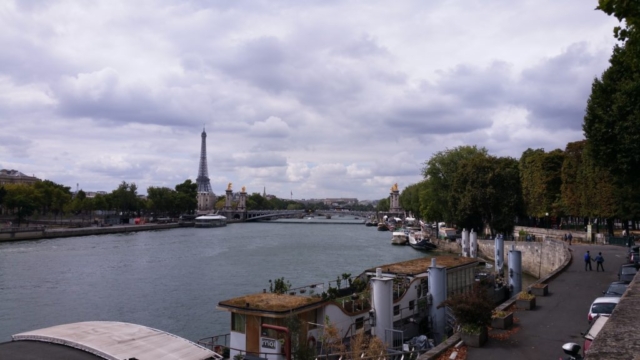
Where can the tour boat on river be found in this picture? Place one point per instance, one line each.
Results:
(210, 220)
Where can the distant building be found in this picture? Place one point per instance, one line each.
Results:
(92, 194)
(16, 177)
(340, 201)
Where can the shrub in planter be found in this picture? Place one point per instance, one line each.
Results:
(472, 311)
(501, 320)
(526, 301)
(540, 289)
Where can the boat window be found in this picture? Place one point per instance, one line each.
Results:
(270, 332)
(312, 319)
(238, 322)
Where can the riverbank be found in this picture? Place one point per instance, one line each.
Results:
(42, 232)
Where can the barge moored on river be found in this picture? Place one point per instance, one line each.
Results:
(394, 302)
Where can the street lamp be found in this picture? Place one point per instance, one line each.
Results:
(546, 219)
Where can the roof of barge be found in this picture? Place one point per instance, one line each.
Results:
(420, 265)
(284, 303)
(270, 302)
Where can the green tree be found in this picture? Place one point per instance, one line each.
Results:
(623, 10)
(162, 200)
(3, 193)
(125, 198)
(410, 198)
(186, 197)
(486, 191)
(439, 171)
(612, 120)
(20, 200)
(541, 179)
(383, 205)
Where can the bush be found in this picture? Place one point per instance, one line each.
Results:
(523, 295)
(472, 309)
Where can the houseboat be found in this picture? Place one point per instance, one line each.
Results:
(210, 220)
(393, 302)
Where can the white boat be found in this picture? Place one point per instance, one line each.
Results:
(400, 237)
(210, 220)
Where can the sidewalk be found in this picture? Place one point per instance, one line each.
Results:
(559, 317)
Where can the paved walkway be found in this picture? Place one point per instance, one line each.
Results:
(559, 317)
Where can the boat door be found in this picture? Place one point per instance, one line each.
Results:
(253, 335)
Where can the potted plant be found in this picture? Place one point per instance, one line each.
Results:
(540, 289)
(501, 319)
(472, 310)
(526, 301)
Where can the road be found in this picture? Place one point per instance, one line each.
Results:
(559, 317)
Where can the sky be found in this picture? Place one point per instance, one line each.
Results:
(306, 99)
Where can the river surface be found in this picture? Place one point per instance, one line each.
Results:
(172, 280)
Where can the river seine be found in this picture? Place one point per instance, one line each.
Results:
(172, 280)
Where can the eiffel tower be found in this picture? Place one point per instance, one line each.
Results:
(206, 197)
(204, 185)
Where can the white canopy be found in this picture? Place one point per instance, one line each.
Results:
(118, 340)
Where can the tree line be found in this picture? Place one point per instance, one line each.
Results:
(593, 179)
(48, 198)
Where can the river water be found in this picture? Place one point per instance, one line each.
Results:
(172, 280)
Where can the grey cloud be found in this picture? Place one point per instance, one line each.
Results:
(556, 90)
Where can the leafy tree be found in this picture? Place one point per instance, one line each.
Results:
(472, 309)
(100, 202)
(383, 205)
(435, 194)
(186, 197)
(486, 191)
(541, 179)
(612, 120)
(627, 10)
(125, 198)
(162, 200)
(20, 200)
(410, 198)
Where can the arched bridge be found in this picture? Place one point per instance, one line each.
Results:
(254, 215)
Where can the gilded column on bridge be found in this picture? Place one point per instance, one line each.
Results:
(394, 200)
(228, 197)
(242, 202)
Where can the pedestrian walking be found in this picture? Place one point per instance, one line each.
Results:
(599, 262)
(587, 261)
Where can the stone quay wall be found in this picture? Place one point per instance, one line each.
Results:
(539, 259)
(43, 233)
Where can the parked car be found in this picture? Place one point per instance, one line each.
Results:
(616, 288)
(634, 255)
(593, 330)
(602, 305)
(627, 272)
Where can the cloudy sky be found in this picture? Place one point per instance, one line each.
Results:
(318, 98)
